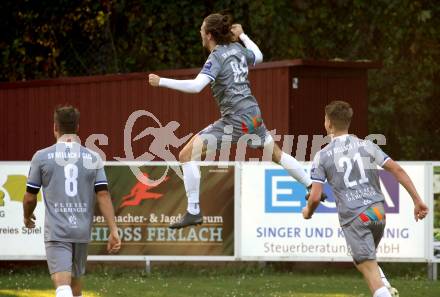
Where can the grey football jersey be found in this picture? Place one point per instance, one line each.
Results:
(227, 66)
(68, 174)
(349, 165)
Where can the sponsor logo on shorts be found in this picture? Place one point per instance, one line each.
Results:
(250, 125)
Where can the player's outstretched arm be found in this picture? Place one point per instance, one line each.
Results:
(29, 204)
(313, 201)
(420, 208)
(106, 207)
(238, 32)
(186, 85)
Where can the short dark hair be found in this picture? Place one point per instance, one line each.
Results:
(67, 119)
(339, 113)
(219, 26)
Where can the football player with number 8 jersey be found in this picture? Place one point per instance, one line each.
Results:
(72, 178)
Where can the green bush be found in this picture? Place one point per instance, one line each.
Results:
(43, 39)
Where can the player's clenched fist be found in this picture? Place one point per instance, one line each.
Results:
(236, 29)
(153, 79)
(420, 210)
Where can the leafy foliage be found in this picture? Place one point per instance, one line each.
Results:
(43, 39)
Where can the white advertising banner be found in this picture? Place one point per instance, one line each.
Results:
(16, 241)
(272, 226)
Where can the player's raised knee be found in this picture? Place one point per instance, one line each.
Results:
(184, 156)
(276, 154)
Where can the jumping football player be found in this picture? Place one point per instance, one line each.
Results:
(227, 70)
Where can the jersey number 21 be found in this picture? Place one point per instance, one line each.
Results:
(349, 167)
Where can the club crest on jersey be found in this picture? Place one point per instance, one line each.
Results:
(207, 65)
(73, 220)
(12, 189)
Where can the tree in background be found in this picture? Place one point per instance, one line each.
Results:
(44, 39)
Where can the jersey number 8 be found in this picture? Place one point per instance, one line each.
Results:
(71, 182)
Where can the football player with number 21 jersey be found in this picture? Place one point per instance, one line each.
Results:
(350, 166)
